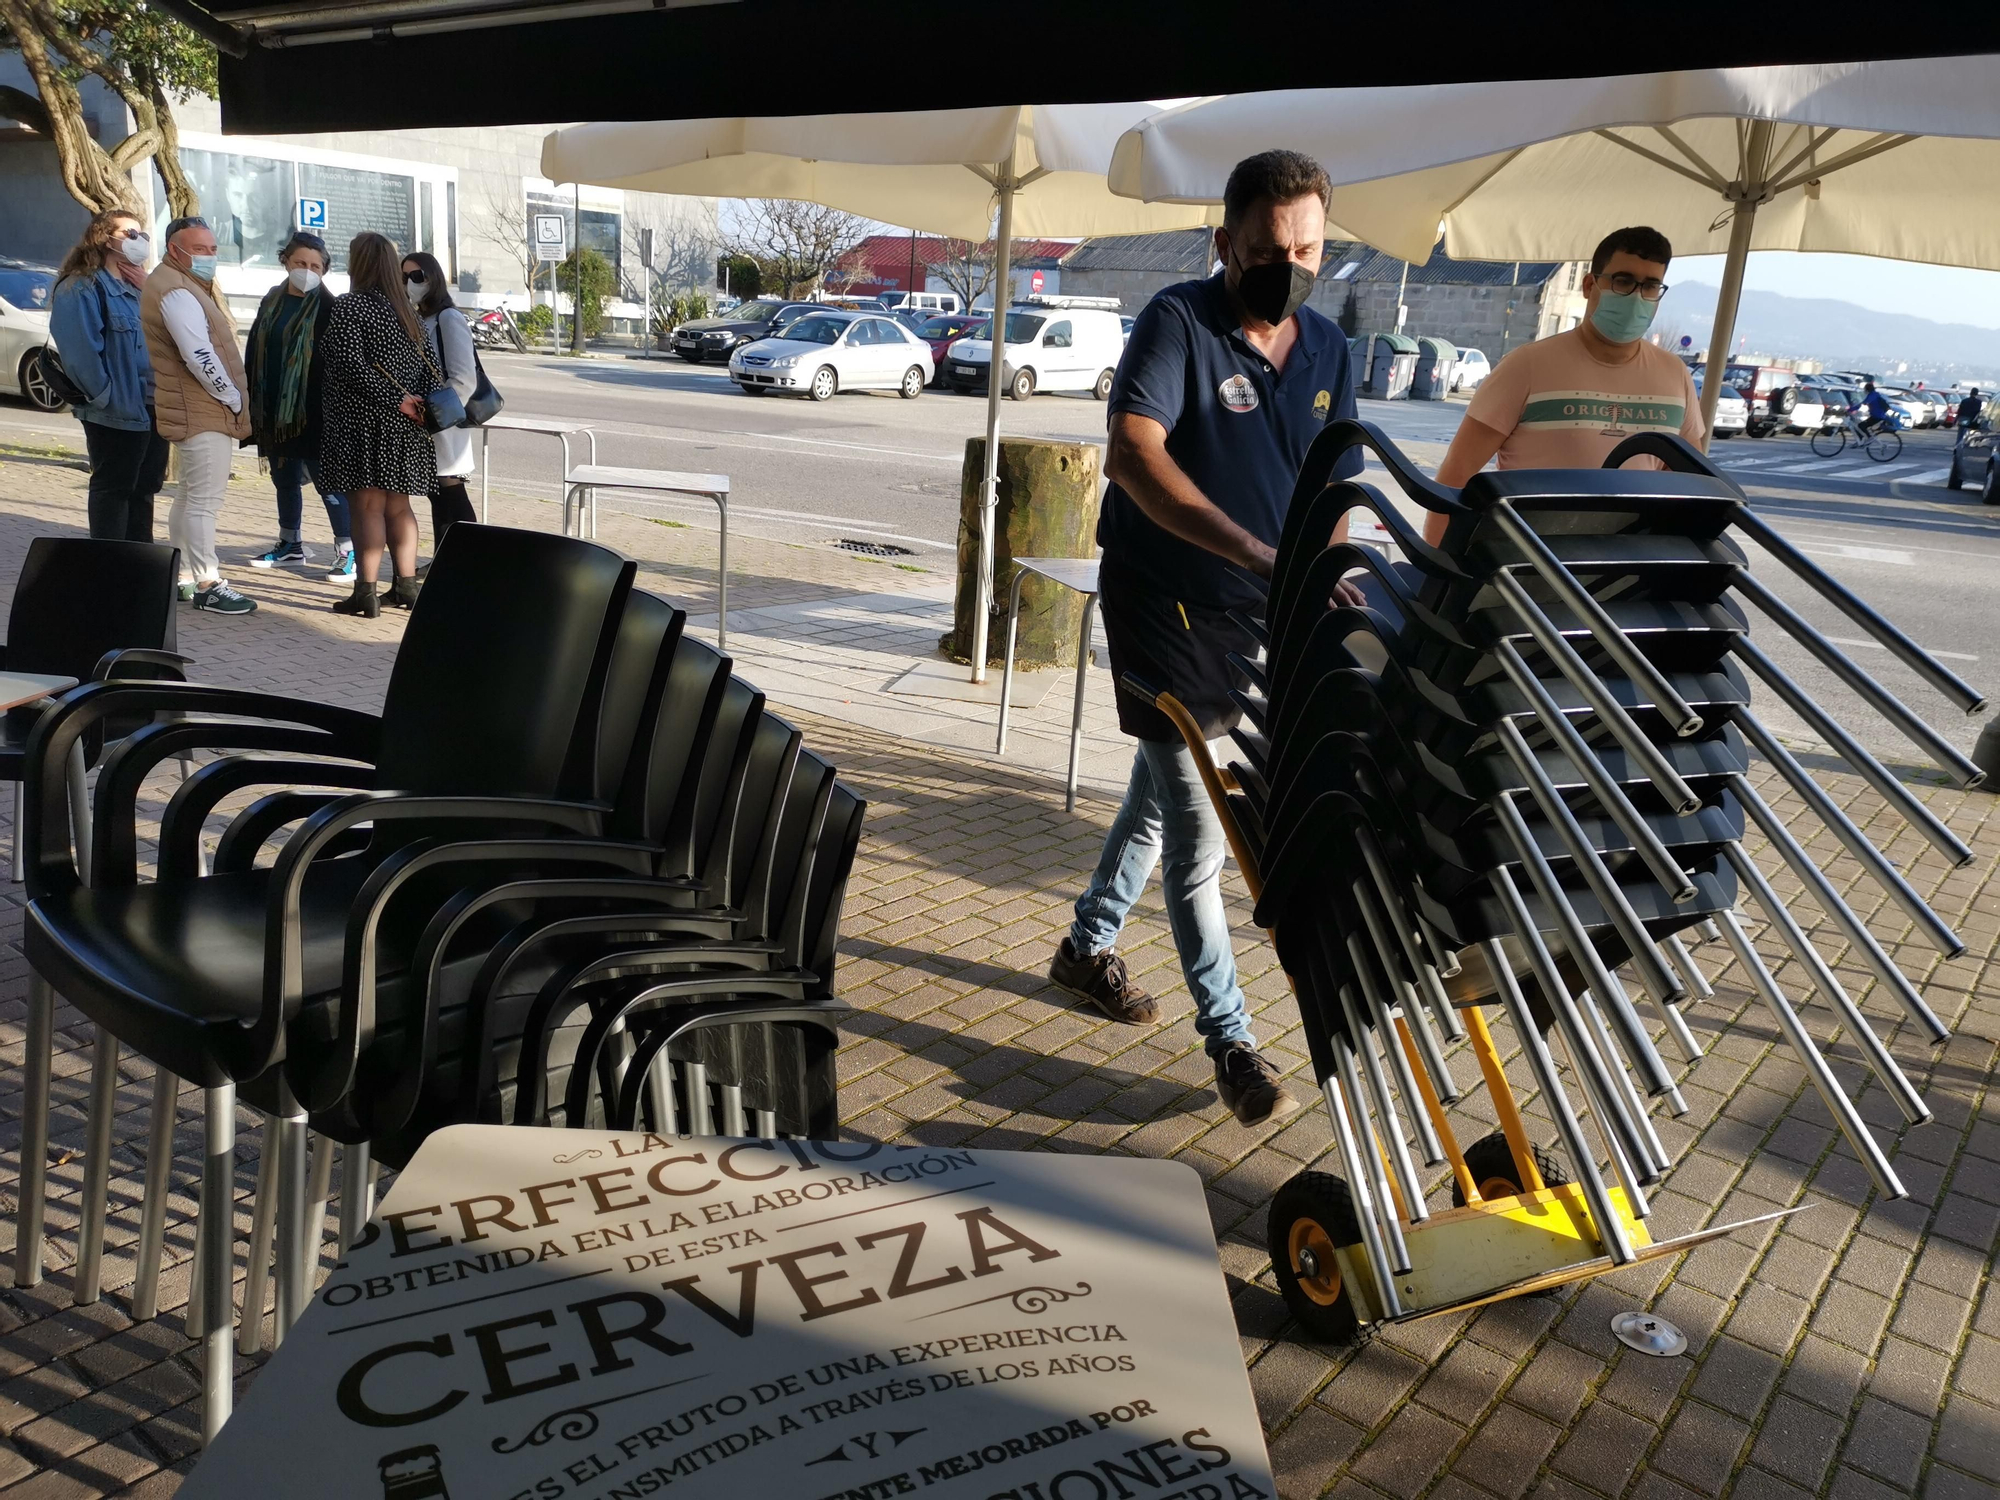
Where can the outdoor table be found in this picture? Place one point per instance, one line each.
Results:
(1079, 573)
(16, 689)
(553, 427)
(583, 483)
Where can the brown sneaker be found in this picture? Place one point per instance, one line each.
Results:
(1101, 979)
(1249, 1085)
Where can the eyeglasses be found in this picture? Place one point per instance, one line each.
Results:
(1624, 283)
(415, 278)
(134, 234)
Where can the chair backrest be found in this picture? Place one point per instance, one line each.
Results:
(699, 812)
(826, 887)
(641, 657)
(676, 727)
(77, 599)
(505, 656)
(742, 848)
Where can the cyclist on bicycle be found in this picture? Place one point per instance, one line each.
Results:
(1878, 409)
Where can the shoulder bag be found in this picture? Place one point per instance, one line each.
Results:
(442, 408)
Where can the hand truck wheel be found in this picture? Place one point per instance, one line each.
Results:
(1490, 1160)
(1311, 1216)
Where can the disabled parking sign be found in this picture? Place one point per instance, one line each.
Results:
(580, 1315)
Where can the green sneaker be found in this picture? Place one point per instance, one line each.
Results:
(219, 598)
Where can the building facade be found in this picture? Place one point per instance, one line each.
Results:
(1488, 305)
(923, 262)
(467, 196)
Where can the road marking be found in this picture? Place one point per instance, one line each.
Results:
(1841, 640)
(1863, 554)
(1933, 476)
(845, 523)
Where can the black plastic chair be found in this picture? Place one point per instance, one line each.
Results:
(208, 976)
(93, 611)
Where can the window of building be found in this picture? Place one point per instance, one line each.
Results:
(357, 200)
(247, 201)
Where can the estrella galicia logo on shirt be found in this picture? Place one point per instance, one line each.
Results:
(1602, 411)
(1322, 404)
(1237, 393)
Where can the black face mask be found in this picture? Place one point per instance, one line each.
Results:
(1272, 293)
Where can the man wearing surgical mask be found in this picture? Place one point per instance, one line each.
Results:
(1224, 385)
(198, 402)
(1566, 401)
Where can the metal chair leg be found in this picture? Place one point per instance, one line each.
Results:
(20, 869)
(319, 1188)
(216, 1264)
(153, 1204)
(29, 1217)
(257, 1275)
(95, 1206)
(1076, 713)
(291, 1146)
(1006, 661)
(357, 1193)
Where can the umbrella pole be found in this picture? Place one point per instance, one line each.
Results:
(1745, 193)
(996, 380)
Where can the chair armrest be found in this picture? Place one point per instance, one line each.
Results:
(389, 1108)
(51, 867)
(284, 950)
(198, 796)
(114, 664)
(139, 754)
(236, 850)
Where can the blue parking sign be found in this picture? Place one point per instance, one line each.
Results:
(312, 213)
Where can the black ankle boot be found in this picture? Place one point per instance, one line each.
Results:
(403, 593)
(362, 601)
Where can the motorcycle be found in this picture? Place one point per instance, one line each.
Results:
(496, 329)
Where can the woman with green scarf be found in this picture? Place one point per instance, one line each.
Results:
(283, 366)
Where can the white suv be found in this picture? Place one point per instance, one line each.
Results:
(1053, 344)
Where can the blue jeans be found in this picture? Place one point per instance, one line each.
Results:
(1167, 819)
(289, 476)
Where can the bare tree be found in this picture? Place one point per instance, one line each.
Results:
(964, 268)
(685, 244)
(500, 218)
(796, 244)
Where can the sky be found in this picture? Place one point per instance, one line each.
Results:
(1946, 294)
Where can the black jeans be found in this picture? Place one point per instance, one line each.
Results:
(126, 471)
(449, 503)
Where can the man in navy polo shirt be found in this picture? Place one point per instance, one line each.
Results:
(1223, 387)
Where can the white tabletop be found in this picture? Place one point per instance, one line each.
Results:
(17, 688)
(607, 476)
(554, 425)
(1079, 573)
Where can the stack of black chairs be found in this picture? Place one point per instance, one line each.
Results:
(1519, 772)
(575, 872)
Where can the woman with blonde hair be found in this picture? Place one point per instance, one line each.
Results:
(94, 320)
(373, 447)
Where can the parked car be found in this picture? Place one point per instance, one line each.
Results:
(1775, 397)
(1910, 406)
(1471, 369)
(25, 293)
(855, 304)
(828, 351)
(715, 338)
(942, 330)
(1732, 412)
(1126, 324)
(1050, 347)
(922, 302)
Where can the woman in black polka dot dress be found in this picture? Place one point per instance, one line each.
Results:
(373, 447)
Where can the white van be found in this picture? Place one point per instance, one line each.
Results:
(1053, 344)
(927, 303)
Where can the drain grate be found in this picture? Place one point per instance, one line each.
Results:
(874, 549)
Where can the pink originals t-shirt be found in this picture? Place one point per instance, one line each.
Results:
(1563, 408)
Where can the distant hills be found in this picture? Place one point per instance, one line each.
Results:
(1836, 333)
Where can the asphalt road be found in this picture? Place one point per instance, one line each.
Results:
(875, 468)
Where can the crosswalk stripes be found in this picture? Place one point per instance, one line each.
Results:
(1862, 471)
(1933, 476)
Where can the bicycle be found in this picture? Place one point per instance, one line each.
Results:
(1883, 444)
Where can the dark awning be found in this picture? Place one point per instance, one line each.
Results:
(309, 65)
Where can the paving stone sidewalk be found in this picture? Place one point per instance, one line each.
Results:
(1851, 1350)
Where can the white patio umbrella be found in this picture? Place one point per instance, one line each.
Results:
(1875, 158)
(1039, 168)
